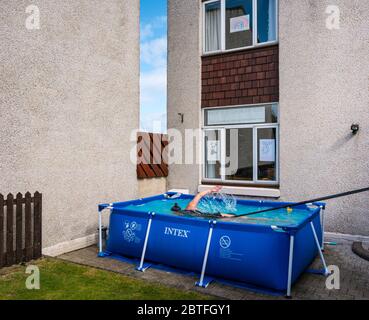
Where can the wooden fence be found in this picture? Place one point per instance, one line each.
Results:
(20, 228)
(151, 151)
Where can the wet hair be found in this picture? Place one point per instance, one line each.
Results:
(176, 207)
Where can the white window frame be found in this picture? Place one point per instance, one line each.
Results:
(255, 44)
(222, 129)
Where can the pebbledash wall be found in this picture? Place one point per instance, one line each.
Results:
(69, 98)
(320, 78)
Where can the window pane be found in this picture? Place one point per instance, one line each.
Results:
(242, 115)
(267, 154)
(212, 154)
(267, 15)
(239, 154)
(212, 27)
(238, 23)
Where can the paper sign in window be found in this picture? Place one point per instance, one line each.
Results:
(267, 150)
(213, 151)
(239, 24)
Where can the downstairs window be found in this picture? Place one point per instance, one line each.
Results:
(241, 145)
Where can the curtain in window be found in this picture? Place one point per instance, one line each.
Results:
(272, 20)
(267, 16)
(212, 27)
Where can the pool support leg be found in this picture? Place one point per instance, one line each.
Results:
(100, 234)
(325, 270)
(290, 264)
(204, 282)
(101, 253)
(143, 266)
(322, 208)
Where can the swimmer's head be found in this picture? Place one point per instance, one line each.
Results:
(176, 208)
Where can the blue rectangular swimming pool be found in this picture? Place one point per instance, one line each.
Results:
(269, 250)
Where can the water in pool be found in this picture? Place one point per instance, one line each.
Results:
(281, 217)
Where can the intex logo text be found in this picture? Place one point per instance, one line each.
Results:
(177, 232)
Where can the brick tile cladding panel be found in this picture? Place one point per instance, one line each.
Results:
(242, 77)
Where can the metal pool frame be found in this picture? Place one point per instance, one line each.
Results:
(203, 280)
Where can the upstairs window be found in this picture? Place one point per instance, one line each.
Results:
(267, 20)
(212, 26)
(237, 24)
(239, 32)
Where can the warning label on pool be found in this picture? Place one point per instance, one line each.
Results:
(225, 250)
(130, 231)
(225, 242)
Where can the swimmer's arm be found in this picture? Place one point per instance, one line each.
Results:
(226, 215)
(193, 204)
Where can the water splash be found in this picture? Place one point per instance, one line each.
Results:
(218, 202)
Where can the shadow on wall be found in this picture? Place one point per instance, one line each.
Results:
(340, 142)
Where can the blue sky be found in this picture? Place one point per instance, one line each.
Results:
(153, 65)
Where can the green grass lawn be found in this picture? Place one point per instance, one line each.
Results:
(66, 281)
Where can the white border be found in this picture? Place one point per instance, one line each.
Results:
(347, 237)
(71, 245)
(245, 191)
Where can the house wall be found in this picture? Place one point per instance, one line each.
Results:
(69, 98)
(184, 82)
(151, 187)
(323, 90)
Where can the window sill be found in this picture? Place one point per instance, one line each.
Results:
(258, 46)
(246, 191)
